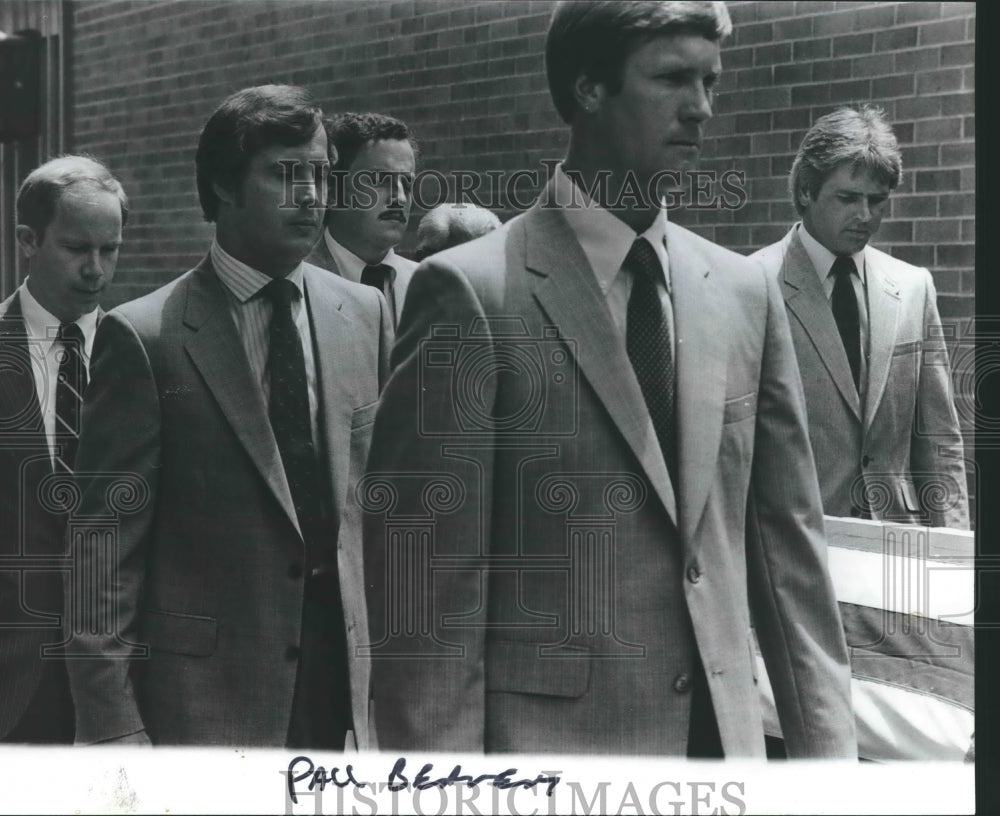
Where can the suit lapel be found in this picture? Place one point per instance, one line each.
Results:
(337, 375)
(702, 360)
(566, 288)
(805, 298)
(883, 312)
(217, 352)
(20, 411)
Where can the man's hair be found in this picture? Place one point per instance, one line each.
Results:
(349, 132)
(246, 123)
(41, 190)
(449, 225)
(595, 38)
(860, 137)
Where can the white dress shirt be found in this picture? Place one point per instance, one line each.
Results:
(252, 316)
(44, 351)
(350, 266)
(606, 241)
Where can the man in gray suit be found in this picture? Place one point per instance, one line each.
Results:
(591, 458)
(374, 163)
(867, 334)
(242, 395)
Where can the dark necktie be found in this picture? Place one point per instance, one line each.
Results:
(377, 275)
(71, 382)
(845, 311)
(647, 340)
(288, 407)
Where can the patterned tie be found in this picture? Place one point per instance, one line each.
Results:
(71, 382)
(288, 407)
(845, 312)
(647, 340)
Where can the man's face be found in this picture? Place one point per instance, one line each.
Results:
(272, 222)
(655, 122)
(848, 210)
(76, 258)
(378, 190)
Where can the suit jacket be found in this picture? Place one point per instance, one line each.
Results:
(209, 560)
(30, 529)
(533, 573)
(321, 257)
(902, 449)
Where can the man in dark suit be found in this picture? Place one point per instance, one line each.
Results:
(242, 394)
(882, 422)
(70, 213)
(374, 163)
(591, 458)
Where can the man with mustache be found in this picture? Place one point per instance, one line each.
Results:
(70, 214)
(591, 459)
(369, 204)
(242, 394)
(867, 334)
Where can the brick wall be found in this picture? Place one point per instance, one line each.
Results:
(789, 63)
(469, 78)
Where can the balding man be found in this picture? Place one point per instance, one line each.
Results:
(70, 213)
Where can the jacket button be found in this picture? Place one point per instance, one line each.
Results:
(295, 571)
(694, 575)
(682, 684)
(866, 461)
(292, 653)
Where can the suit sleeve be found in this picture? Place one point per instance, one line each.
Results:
(427, 497)
(119, 445)
(795, 611)
(936, 453)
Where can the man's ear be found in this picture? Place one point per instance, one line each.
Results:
(588, 93)
(223, 194)
(27, 239)
(802, 196)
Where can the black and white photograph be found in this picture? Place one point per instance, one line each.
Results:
(492, 406)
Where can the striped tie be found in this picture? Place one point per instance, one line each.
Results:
(70, 385)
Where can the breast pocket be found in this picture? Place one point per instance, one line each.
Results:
(740, 408)
(363, 416)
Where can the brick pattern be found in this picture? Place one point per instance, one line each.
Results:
(469, 79)
(789, 63)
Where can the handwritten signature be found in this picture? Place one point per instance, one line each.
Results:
(302, 768)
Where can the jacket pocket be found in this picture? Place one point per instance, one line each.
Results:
(176, 633)
(906, 348)
(740, 408)
(365, 415)
(519, 668)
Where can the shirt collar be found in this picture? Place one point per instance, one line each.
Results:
(604, 238)
(349, 265)
(244, 281)
(822, 259)
(42, 326)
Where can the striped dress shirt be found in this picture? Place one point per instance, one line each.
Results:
(251, 312)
